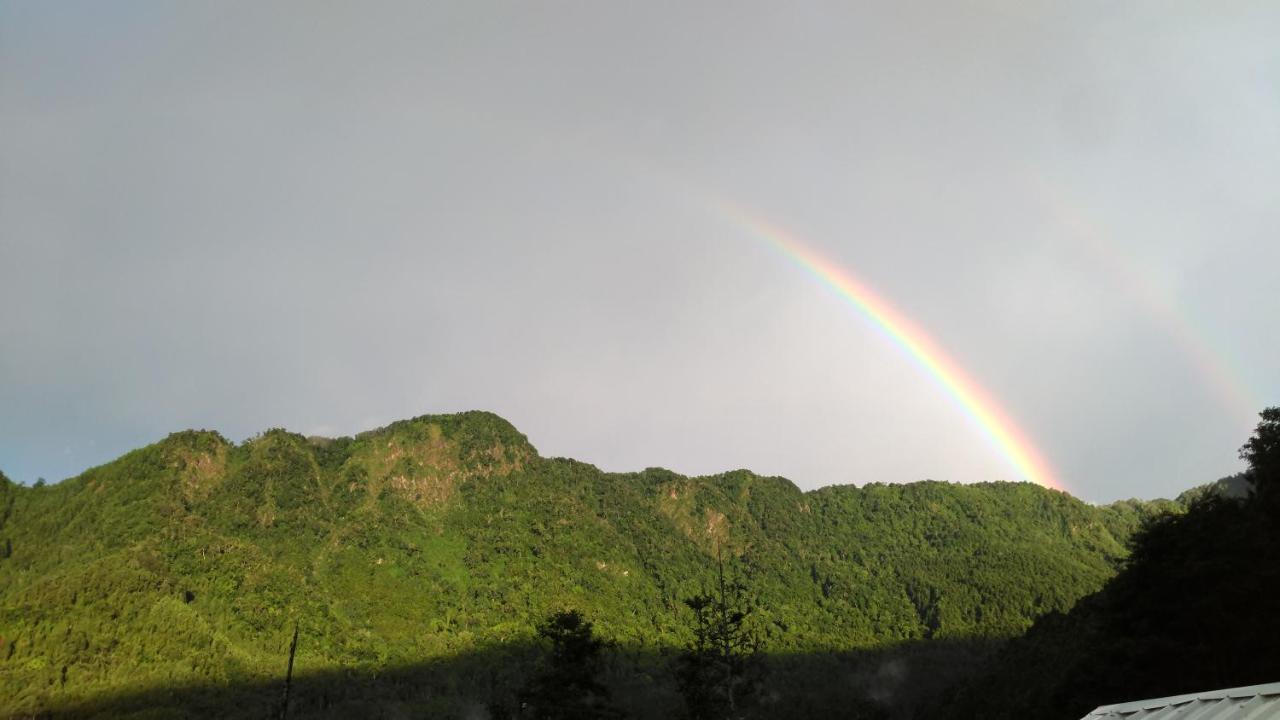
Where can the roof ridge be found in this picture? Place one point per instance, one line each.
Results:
(1134, 706)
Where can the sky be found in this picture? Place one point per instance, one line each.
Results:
(329, 216)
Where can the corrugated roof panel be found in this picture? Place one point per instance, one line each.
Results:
(1210, 709)
(1159, 712)
(1258, 708)
(1179, 712)
(1256, 702)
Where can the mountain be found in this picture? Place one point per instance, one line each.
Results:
(1232, 486)
(1195, 607)
(423, 554)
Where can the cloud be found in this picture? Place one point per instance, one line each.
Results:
(229, 217)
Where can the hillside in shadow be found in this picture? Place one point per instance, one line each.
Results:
(1195, 607)
(880, 684)
(184, 566)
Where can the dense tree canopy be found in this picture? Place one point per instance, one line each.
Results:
(567, 686)
(444, 538)
(1196, 607)
(1262, 452)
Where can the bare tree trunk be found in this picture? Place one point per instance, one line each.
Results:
(288, 677)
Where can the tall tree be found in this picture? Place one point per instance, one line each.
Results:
(568, 686)
(719, 672)
(1194, 608)
(1262, 452)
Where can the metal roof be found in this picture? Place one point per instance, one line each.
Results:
(1256, 702)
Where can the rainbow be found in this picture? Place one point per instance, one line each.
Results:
(976, 403)
(1218, 374)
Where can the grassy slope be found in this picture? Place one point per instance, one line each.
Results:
(189, 560)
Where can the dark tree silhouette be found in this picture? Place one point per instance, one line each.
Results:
(1262, 452)
(288, 676)
(567, 687)
(719, 673)
(1193, 608)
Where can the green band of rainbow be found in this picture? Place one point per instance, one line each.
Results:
(1220, 375)
(977, 404)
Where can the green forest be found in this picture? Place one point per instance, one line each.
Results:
(440, 567)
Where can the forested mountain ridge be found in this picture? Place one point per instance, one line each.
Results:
(1196, 606)
(190, 560)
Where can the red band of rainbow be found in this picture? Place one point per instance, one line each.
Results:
(994, 423)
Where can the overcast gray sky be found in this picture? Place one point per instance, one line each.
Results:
(328, 216)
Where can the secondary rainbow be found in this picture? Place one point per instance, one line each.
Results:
(1217, 370)
(994, 423)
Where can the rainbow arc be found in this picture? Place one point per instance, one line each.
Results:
(1012, 443)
